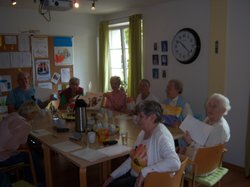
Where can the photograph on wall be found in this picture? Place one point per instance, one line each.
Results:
(155, 73)
(164, 46)
(164, 60)
(155, 59)
(164, 74)
(42, 70)
(55, 78)
(155, 46)
(5, 83)
(63, 49)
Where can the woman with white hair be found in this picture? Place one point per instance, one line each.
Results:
(217, 106)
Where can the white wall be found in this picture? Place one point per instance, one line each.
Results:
(81, 26)
(238, 80)
(162, 23)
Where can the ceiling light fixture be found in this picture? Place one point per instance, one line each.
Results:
(76, 4)
(13, 2)
(93, 5)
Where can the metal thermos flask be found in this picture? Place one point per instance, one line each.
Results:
(80, 115)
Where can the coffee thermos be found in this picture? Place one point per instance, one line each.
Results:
(80, 115)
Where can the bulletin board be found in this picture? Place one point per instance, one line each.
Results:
(48, 60)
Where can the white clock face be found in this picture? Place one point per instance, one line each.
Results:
(186, 46)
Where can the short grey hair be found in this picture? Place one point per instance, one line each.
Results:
(28, 108)
(223, 101)
(177, 84)
(74, 80)
(150, 107)
(116, 79)
(146, 81)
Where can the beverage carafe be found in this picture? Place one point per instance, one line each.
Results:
(80, 115)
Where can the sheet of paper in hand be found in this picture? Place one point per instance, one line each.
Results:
(93, 100)
(198, 130)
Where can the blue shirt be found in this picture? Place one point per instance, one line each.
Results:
(18, 96)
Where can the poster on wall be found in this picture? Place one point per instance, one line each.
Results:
(63, 51)
(5, 83)
(42, 70)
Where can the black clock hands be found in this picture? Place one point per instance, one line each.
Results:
(184, 46)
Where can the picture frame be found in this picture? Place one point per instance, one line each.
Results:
(155, 73)
(155, 59)
(164, 46)
(164, 60)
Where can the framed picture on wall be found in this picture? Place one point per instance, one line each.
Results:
(155, 46)
(164, 46)
(164, 60)
(164, 74)
(155, 59)
(155, 73)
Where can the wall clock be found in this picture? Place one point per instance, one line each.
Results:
(186, 45)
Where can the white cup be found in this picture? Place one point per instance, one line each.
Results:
(91, 137)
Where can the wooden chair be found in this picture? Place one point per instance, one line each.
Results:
(207, 166)
(167, 179)
(16, 168)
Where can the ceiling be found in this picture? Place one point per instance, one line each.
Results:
(102, 6)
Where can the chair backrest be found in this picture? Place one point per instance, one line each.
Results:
(168, 179)
(16, 167)
(208, 159)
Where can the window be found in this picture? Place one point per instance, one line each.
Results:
(118, 48)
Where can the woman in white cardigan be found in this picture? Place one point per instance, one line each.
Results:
(153, 151)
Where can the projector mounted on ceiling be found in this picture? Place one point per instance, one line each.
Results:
(57, 5)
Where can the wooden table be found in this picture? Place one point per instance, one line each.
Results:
(45, 122)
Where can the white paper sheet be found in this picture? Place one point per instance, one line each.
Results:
(65, 74)
(88, 154)
(198, 130)
(114, 150)
(5, 60)
(40, 132)
(43, 93)
(67, 146)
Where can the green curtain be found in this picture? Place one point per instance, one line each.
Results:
(103, 56)
(247, 155)
(135, 54)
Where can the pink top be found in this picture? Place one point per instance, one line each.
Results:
(14, 131)
(116, 100)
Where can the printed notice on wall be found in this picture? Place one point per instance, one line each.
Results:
(40, 47)
(65, 74)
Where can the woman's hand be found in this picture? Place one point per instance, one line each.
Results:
(107, 181)
(139, 180)
(187, 138)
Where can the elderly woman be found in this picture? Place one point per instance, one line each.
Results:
(175, 106)
(116, 99)
(153, 150)
(217, 106)
(14, 131)
(67, 95)
(144, 88)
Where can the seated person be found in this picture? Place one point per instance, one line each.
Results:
(153, 151)
(67, 96)
(14, 132)
(175, 107)
(116, 99)
(216, 107)
(144, 89)
(23, 93)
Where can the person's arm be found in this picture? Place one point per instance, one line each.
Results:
(10, 102)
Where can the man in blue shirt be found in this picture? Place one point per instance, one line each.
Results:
(23, 93)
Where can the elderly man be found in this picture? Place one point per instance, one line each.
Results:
(23, 93)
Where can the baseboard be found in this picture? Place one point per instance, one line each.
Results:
(233, 167)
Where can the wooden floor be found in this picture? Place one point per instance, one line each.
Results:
(67, 175)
